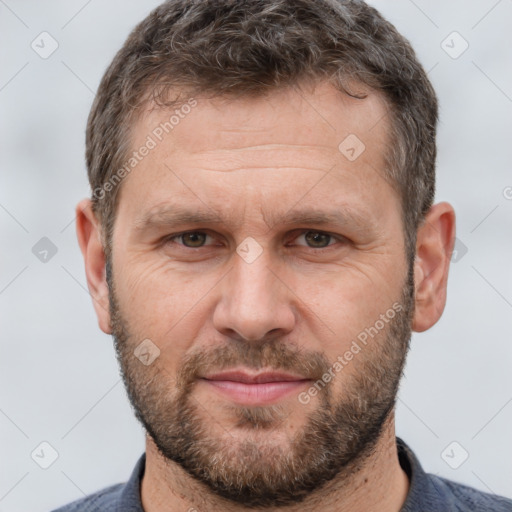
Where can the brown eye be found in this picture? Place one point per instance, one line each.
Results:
(193, 239)
(317, 239)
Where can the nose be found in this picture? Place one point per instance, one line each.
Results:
(255, 303)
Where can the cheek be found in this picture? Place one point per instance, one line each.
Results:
(345, 304)
(163, 304)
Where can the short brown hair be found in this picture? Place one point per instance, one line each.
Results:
(249, 47)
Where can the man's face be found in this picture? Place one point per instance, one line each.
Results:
(260, 284)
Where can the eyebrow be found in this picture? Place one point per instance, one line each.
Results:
(173, 215)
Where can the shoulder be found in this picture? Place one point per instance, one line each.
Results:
(428, 492)
(460, 497)
(124, 497)
(105, 500)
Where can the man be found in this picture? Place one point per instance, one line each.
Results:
(260, 242)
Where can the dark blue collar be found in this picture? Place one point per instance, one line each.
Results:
(426, 491)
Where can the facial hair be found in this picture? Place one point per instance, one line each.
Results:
(336, 439)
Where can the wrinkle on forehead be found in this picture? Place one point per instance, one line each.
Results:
(262, 156)
(227, 123)
(293, 140)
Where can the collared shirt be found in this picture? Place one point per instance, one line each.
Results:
(427, 492)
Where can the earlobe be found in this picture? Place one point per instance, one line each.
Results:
(88, 232)
(434, 246)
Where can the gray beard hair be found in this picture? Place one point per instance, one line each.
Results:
(336, 440)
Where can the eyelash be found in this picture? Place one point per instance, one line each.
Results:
(339, 238)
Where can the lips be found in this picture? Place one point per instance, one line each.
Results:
(260, 378)
(247, 388)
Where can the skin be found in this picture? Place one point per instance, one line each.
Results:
(250, 161)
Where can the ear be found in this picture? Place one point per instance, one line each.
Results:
(88, 231)
(434, 246)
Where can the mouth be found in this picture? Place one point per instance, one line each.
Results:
(263, 388)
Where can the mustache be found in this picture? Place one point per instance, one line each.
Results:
(273, 355)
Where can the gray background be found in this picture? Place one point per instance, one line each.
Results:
(59, 380)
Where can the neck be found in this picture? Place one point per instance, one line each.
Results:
(379, 484)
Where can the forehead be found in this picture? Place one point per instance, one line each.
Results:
(313, 115)
(282, 143)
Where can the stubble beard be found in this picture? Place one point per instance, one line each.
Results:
(249, 464)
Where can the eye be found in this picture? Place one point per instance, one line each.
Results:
(198, 239)
(318, 239)
(191, 239)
